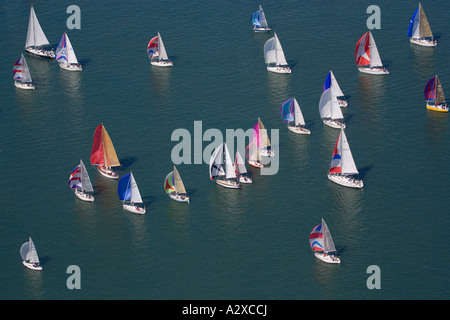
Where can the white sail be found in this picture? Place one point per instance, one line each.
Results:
(21, 71)
(336, 88)
(262, 18)
(375, 60)
(35, 34)
(329, 105)
(71, 57)
(86, 184)
(135, 196)
(416, 25)
(240, 164)
(178, 183)
(348, 164)
(327, 239)
(273, 52)
(28, 252)
(229, 168)
(216, 163)
(298, 116)
(162, 49)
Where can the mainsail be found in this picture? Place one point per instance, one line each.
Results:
(28, 252)
(264, 141)
(239, 164)
(434, 91)
(320, 239)
(35, 34)
(259, 18)
(329, 105)
(128, 189)
(79, 179)
(21, 71)
(156, 49)
(273, 52)
(342, 159)
(103, 152)
(218, 167)
(290, 111)
(253, 147)
(64, 51)
(366, 52)
(330, 81)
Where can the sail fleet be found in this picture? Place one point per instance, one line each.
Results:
(222, 169)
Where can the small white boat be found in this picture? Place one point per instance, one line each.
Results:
(103, 154)
(329, 109)
(259, 21)
(129, 194)
(342, 167)
(291, 112)
(241, 170)
(322, 244)
(21, 74)
(29, 256)
(65, 55)
(157, 53)
(174, 187)
(331, 81)
(367, 57)
(36, 38)
(434, 95)
(274, 56)
(419, 31)
(80, 183)
(223, 171)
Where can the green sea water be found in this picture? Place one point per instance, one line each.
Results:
(250, 243)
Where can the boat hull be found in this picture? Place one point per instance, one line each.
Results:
(267, 153)
(107, 173)
(179, 197)
(261, 29)
(71, 67)
(31, 266)
(280, 69)
(231, 184)
(375, 71)
(162, 63)
(327, 258)
(134, 209)
(346, 181)
(25, 86)
(255, 164)
(245, 179)
(84, 196)
(40, 53)
(423, 42)
(299, 130)
(334, 123)
(439, 108)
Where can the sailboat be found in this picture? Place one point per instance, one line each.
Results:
(322, 244)
(80, 183)
(241, 170)
(36, 38)
(274, 56)
(434, 95)
(291, 112)
(174, 187)
(222, 173)
(330, 81)
(29, 255)
(253, 150)
(264, 142)
(103, 154)
(129, 194)
(259, 21)
(329, 109)
(367, 57)
(21, 74)
(65, 55)
(342, 167)
(157, 52)
(419, 31)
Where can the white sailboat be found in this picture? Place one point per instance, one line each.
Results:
(80, 183)
(65, 55)
(265, 147)
(174, 187)
(259, 21)
(21, 74)
(329, 109)
(322, 244)
(29, 256)
(331, 81)
(129, 194)
(291, 112)
(223, 172)
(241, 170)
(419, 31)
(157, 53)
(274, 56)
(367, 57)
(342, 167)
(36, 38)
